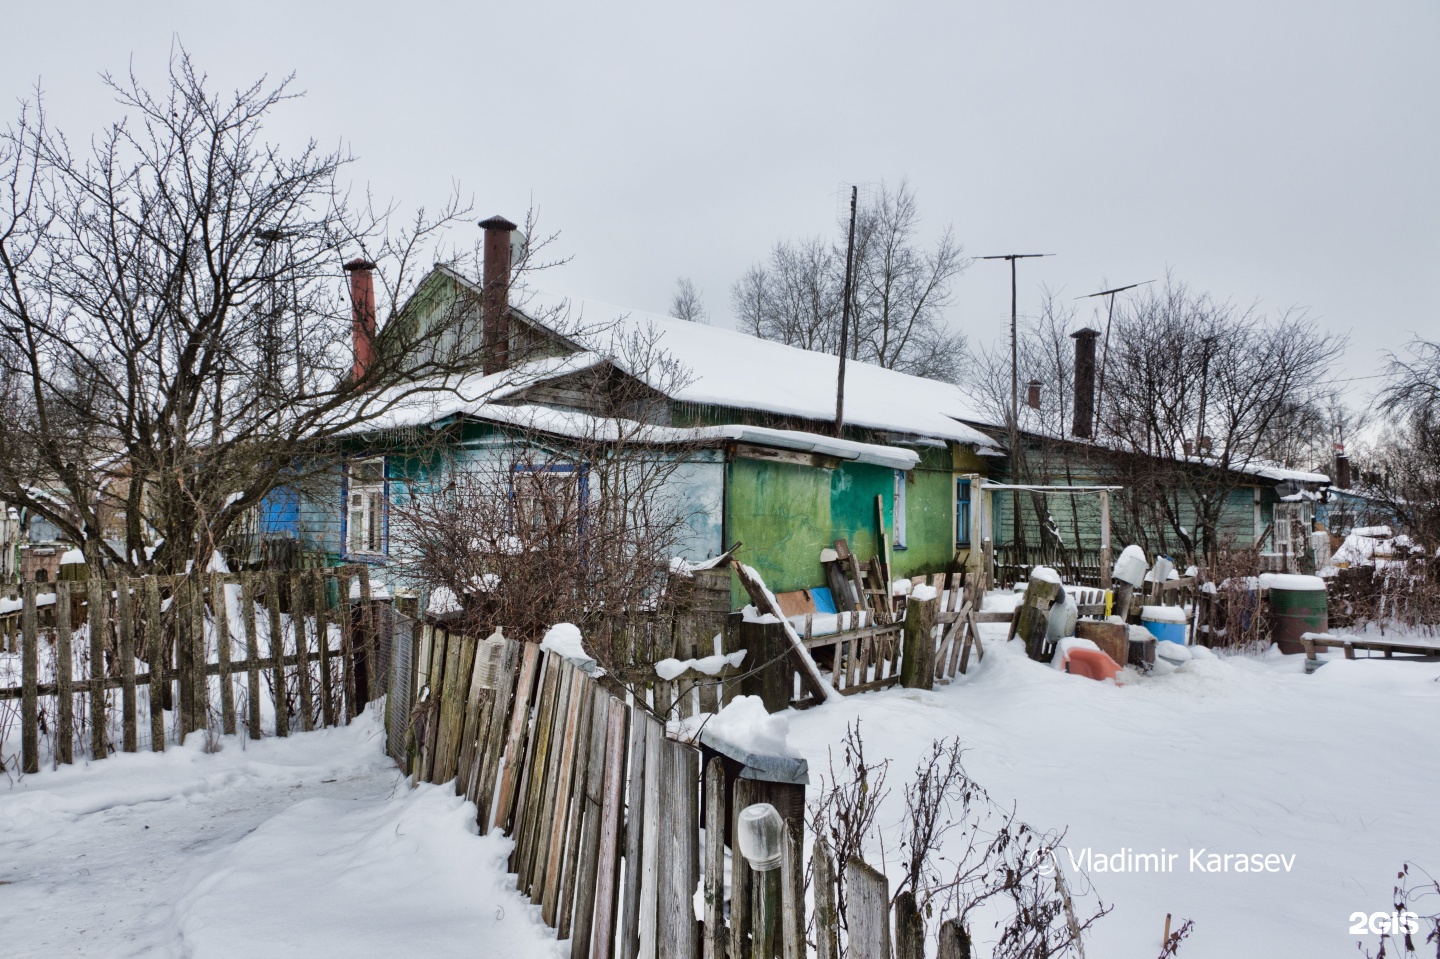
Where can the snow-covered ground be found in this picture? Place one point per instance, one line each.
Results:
(1332, 771)
(308, 846)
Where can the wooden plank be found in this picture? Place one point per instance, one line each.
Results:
(677, 935)
(200, 652)
(158, 647)
(65, 676)
(125, 625)
(764, 602)
(347, 648)
(742, 795)
(373, 685)
(531, 788)
(634, 835)
(607, 860)
(564, 836)
(220, 603)
(30, 679)
(438, 641)
(98, 620)
(655, 774)
(302, 649)
(867, 910)
(277, 655)
(716, 940)
(252, 653)
(544, 818)
(477, 699)
(589, 749)
(494, 745)
(455, 686)
(322, 633)
(580, 884)
(792, 893)
(972, 638)
(827, 913)
(515, 737)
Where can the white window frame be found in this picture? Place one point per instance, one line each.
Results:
(365, 509)
(898, 508)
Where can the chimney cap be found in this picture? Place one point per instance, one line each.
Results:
(359, 263)
(1084, 331)
(498, 222)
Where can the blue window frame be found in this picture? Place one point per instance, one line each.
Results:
(962, 512)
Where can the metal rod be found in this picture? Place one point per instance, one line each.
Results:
(845, 317)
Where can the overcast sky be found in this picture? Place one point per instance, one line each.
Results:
(1283, 151)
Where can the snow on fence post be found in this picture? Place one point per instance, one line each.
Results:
(98, 618)
(867, 911)
(64, 676)
(917, 663)
(29, 678)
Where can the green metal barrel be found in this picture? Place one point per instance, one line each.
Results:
(1294, 612)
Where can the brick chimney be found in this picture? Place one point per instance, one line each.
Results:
(495, 295)
(362, 316)
(1032, 394)
(1341, 479)
(1083, 427)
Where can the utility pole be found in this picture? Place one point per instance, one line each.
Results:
(1105, 345)
(845, 318)
(1014, 424)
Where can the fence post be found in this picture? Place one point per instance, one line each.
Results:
(715, 937)
(98, 618)
(367, 620)
(322, 631)
(277, 653)
(909, 928)
(252, 653)
(29, 678)
(766, 665)
(200, 655)
(302, 649)
(792, 893)
(64, 676)
(156, 647)
(917, 663)
(954, 941)
(125, 628)
(220, 602)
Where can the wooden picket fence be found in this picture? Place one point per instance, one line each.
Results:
(168, 624)
(606, 807)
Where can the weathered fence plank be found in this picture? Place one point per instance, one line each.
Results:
(347, 647)
(220, 602)
(64, 677)
(531, 787)
(367, 620)
(867, 911)
(455, 684)
(634, 834)
(655, 771)
(506, 686)
(792, 893)
(580, 884)
(158, 654)
(515, 736)
(607, 865)
(277, 653)
(30, 680)
(298, 620)
(439, 639)
(125, 625)
(98, 618)
(252, 654)
(827, 914)
(322, 631)
(199, 655)
(544, 817)
(742, 795)
(564, 836)
(678, 851)
(716, 942)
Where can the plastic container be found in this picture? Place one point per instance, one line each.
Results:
(1298, 605)
(1131, 565)
(1165, 623)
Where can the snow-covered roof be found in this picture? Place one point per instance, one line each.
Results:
(728, 368)
(573, 424)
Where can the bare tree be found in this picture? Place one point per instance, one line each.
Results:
(901, 291)
(687, 303)
(174, 331)
(572, 517)
(1196, 389)
(1403, 464)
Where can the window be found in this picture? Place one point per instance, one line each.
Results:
(548, 499)
(899, 509)
(365, 511)
(962, 512)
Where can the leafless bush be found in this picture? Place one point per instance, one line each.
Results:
(1237, 618)
(1171, 946)
(1408, 921)
(962, 854)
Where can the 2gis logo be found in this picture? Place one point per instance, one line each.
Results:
(1384, 923)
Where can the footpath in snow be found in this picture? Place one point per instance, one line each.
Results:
(1334, 772)
(308, 846)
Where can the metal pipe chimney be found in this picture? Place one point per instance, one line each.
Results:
(362, 316)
